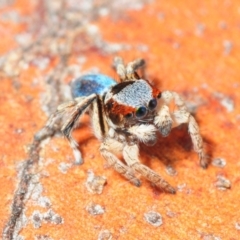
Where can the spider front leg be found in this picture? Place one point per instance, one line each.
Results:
(113, 161)
(130, 154)
(166, 121)
(67, 117)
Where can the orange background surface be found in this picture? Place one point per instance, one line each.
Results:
(190, 47)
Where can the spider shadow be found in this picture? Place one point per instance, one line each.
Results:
(83, 133)
(177, 146)
(173, 148)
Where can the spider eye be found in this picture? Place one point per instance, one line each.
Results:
(152, 104)
(141, 112)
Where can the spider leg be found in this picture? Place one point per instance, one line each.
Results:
(116, 163)
(118, 64)
(130, 154)
(127, 73)
(67, 116)
(132, 67)
(166, 121)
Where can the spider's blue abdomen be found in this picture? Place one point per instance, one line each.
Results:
(91, 83)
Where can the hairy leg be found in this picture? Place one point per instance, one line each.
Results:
(117, 164)
(130, 154)
(127, 73)
(66, 118)
(166, 121)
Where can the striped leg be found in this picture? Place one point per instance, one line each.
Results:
(67, 116)
(166, 121)
(119, 166)
(128, 73)
(130, 154)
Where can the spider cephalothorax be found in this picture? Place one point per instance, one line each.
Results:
(124, 114)
(131, 102)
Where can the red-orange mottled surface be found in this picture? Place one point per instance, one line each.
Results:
(191, 47)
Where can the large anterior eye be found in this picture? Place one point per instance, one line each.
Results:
(152, 104)
(141, 112)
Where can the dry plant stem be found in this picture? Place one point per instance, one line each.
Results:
(28, 171)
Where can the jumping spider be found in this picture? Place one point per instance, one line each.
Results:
(124, 114)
